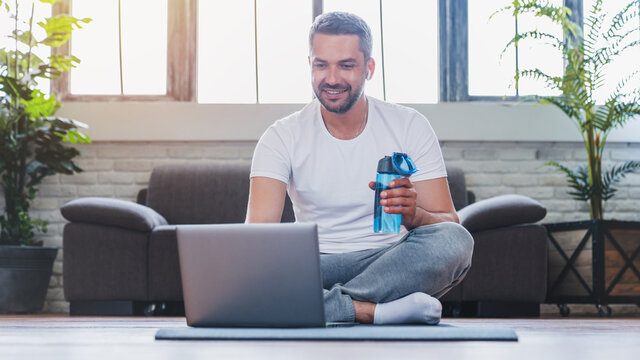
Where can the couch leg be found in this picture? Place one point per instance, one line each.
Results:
(491, 309)
(164, 308)
(459, 309)
(126, 308)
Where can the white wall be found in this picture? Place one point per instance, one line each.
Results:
(176, 121)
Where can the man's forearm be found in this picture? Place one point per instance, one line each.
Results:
(424, 217)
(266, 200)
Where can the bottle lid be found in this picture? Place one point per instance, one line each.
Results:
(403, 164)
(399, 163)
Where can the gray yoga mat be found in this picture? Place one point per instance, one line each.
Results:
(442, 332)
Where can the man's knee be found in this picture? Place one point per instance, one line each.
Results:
(447, 238)
(463, 239)
(446, 249)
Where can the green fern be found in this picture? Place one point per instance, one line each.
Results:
(586, 58)
(578, 180)
(614, 175)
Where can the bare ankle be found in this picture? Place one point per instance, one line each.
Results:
(364, 311)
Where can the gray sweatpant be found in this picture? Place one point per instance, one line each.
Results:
(431, 259)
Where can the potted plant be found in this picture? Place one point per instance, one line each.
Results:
(585, 266)
(33, 145)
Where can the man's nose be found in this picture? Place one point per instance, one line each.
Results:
(332, 75)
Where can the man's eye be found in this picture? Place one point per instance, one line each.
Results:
(348, 66)
(319, 66)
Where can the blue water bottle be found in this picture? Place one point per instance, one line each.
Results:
(389, 168)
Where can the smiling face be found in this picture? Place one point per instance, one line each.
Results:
(338, 70)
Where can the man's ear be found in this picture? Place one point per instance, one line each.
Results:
(371, 67)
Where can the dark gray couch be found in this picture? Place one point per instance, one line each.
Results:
(121, 257)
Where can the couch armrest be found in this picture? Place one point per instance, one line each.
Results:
(112, 212)
(501, 211)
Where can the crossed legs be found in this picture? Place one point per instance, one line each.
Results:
(430, 259)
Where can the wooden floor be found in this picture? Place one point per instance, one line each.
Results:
(89, 338)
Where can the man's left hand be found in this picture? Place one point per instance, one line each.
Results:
(400, 199)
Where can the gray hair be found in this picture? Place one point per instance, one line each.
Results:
(343, 23)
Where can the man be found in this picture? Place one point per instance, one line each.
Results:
(324, 156)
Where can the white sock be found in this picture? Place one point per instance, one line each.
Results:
(413, 308)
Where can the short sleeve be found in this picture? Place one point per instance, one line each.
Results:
(424, 148)
(270, 157)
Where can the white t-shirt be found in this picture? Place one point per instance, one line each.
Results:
(327, 178)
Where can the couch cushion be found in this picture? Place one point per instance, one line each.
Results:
(212, 193)
(501, 211)
(200, 193)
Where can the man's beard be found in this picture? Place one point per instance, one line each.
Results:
(340, 108)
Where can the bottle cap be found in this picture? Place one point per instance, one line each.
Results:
(403, 165)
(399, 163)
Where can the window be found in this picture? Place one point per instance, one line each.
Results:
(132, 50)
(265, 52)
(232, 33)
(132, 36)
(255, 51)
(282, 48)
(491, 71)
(41, 11)
(405, 47)
(411, 51)
(623, 65)
(480, 76)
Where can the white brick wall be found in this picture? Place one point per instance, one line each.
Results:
(495, 168)
(120, 170)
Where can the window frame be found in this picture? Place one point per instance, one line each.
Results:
(181, 58)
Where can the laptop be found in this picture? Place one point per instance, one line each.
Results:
(251, 275)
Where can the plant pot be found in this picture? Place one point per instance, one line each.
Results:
(594, 261)
(25, 272)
